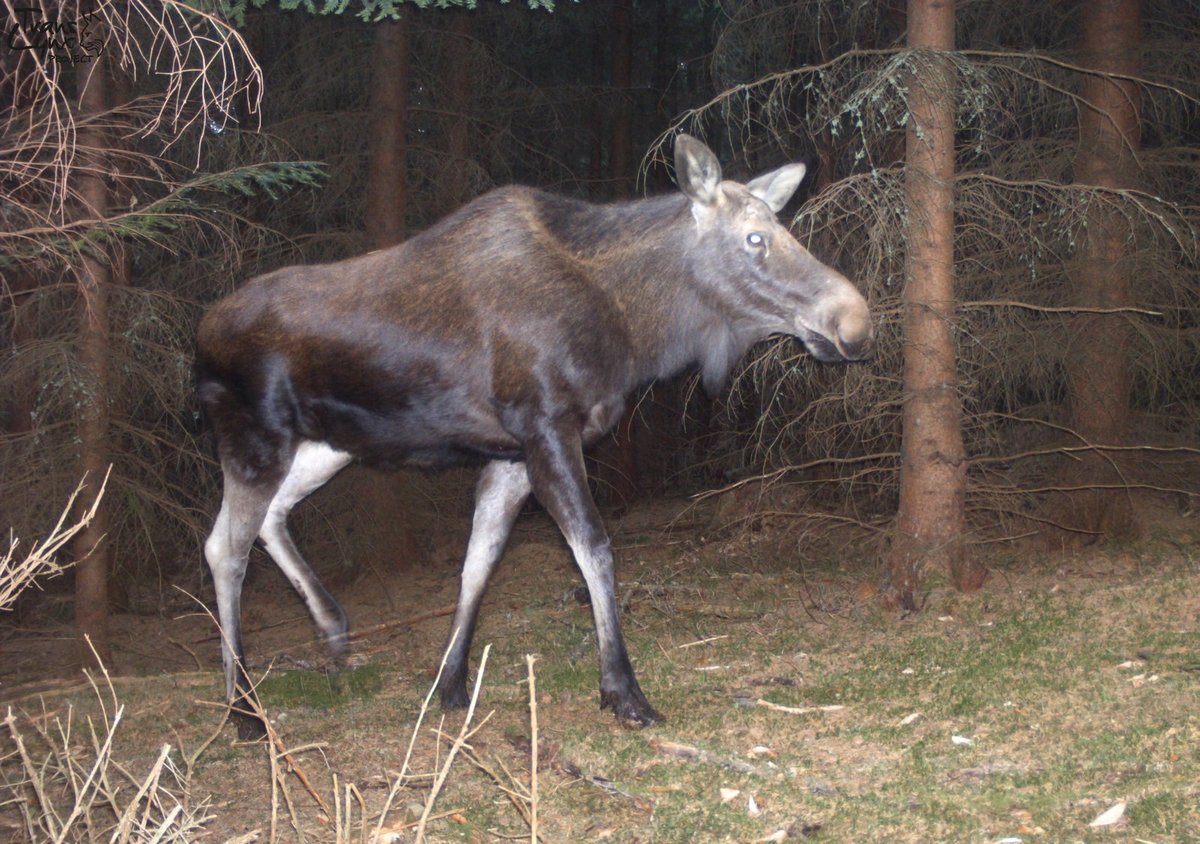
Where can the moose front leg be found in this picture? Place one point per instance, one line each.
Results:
(556, 469)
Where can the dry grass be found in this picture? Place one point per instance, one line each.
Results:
(20, 571)
(62, 778)
(66, 790)
(1067, 680)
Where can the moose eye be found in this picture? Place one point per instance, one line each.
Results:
(755, 240)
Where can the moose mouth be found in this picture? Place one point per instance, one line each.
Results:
(826, 351)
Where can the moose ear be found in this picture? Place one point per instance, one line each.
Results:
(776, 188)
(697, 170)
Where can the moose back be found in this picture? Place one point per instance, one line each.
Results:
(510, 334)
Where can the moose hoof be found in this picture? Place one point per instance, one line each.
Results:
(249, 727)
(455, 696)
(631, 709)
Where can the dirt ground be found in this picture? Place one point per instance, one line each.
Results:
(413, 603)
(737, 635)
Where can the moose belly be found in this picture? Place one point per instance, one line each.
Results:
(432, 434)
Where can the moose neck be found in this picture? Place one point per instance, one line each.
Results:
(642, 252)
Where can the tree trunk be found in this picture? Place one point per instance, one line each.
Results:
(387, 134)
(90, 548)
(460, 95)
(597, 122)
(621, 481)
(1098, 345)
(120, 195)
(931, 523)
(621, 161)
(388, 498)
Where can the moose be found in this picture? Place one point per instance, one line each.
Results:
(509, 334)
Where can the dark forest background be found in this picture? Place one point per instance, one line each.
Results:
(1072, 337)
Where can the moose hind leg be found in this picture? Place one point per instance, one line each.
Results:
(227, 549)
(556, 469)
(503, 488)
(314, 464)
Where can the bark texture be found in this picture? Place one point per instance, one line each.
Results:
(1098, 351)
(622, 167)
(388, 499)
(930, 523)
(387, 139)
(460, 95)
(619, 466)
(90, 548)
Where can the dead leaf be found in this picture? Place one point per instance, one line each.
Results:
(728, 794)
(1114, 814)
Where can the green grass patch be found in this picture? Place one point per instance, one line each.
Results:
(319, 689)
(1023, 712)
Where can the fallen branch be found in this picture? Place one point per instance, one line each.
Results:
(695, 754)
(463, 734)
(533, 753)
(567, 768)
(798, 710)
(404, 622)
(412, 740)
(353, 636)
(703, 641)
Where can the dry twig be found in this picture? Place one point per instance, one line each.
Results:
(16, 575)
(464, 733)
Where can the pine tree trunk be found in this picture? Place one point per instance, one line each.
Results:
(387, 134)
(620, 474)
(621, 161)
(460, 95)
(388, 499)
(597, 123)
(930, 524)
(90, 548)
(1098, 350)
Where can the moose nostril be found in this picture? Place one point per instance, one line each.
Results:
(860, 348)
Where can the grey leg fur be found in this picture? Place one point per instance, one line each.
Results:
(313, 465)
(250, 511)
(503, 488)
(227, 549)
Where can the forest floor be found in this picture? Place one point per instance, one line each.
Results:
(1065, 692)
